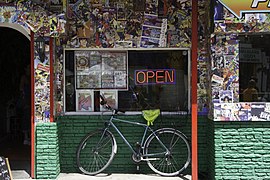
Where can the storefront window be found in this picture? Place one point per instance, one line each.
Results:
(254, 74)
(131, 80)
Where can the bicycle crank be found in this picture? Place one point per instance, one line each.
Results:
(150, 159)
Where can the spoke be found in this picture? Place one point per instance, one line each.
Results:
(161, 163)
(173, 166)
(102, 160)
(172, 139)
(99, 163)
(93, 164)
(106, 152)
(174, 143)
(102, 142)
(90, 165)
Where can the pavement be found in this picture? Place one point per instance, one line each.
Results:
(77, 176)
(71, 176)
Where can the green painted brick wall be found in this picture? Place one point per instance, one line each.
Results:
(47, 151)
(240, 150)
(73, 128)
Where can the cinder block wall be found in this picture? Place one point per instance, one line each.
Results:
(47, 151)
(73, 128)
(241, 150)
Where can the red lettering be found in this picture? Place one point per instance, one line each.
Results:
(138, 79)
(155, 76)
(150, 76)
(168, 77)
(158, 77)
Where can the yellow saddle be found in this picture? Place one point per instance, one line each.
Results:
(150, 115)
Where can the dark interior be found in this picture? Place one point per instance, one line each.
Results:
(14, 57)
(254, 63)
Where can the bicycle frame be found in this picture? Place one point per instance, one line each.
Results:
(146, 129)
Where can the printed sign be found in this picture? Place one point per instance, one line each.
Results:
(250, 55)
(240, 6)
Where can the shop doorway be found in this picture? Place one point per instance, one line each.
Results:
(15, 99)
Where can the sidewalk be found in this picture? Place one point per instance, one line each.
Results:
(64, 176)
(76, 176)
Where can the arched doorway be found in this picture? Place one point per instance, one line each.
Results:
(15, 58)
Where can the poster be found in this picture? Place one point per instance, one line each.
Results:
(95, 62)
(84, 100)
(120, 79)
(148, 42)
(153, 32)
(107, 79)
(101, 70)
(82, 62)
(112, 99)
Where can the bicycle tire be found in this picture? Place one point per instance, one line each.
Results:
(173, 162)
(96, 152)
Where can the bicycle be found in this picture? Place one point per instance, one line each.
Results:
(166, 150)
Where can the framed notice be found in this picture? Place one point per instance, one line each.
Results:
(95, 69)
(111, 98)
(84, 100)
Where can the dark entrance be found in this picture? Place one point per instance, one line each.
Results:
(14, 112)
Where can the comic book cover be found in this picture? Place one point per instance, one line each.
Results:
(84, 100)
(111, 98)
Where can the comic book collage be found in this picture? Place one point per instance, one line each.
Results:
(225, 66)
(137, 23)
(108, 24)
(140, 24)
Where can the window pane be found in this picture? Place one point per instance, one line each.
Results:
(160, 82)
(254, 68)
(156, 79)
(69, 81)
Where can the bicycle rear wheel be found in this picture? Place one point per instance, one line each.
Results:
(96, 152)
(173, 161)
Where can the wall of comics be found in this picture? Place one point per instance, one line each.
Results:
(225, 65)
(110, 24)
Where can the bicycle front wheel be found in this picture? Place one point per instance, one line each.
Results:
(96, 152)
(173, 159)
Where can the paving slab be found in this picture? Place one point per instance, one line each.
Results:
(77, 176)
(71, 176)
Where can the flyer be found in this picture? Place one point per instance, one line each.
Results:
(111, 98)
(84, 100)
(120, 79)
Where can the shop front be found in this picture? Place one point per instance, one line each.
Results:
(138, 57)
(240, 91)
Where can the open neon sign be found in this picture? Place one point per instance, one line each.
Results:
(155, 76)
